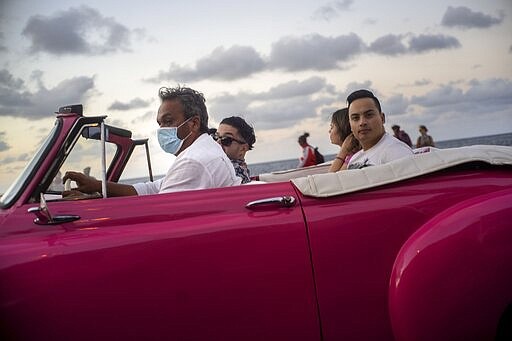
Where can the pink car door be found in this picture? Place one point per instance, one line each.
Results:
(355, 239)
(180, 266)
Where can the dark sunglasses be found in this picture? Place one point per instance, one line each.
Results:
(226, 140)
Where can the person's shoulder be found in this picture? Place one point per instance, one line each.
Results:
(203, 148)
(359, 152)
(395, 149)
(356, 156)
(390, 140)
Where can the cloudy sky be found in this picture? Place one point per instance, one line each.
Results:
(284, 66)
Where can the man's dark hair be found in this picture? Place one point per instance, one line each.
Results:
(395, 127)
(193, 103)
(363, 94)
(243, 128)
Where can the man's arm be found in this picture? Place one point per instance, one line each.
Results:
(88, 184)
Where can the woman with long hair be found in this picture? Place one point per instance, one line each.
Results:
(341, 135)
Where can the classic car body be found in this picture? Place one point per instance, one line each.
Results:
(425, 256)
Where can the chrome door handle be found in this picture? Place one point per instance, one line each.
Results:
(284, 201)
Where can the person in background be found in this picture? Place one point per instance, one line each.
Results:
(200, 162)
(367, 124)
(424, 140)
(341, 135)
(401, 135)
(236, 137)
(308, 157)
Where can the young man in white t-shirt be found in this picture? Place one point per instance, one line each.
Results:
(367, 125)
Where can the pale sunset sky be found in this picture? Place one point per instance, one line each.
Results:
(284, 66)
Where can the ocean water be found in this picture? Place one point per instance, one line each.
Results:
(272, 166)
(500, 140)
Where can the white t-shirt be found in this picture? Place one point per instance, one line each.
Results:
(387, 149)
(202, 165)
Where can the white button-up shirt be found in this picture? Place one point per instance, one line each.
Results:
(202, 165)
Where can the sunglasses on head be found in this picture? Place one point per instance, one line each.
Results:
(226, 140)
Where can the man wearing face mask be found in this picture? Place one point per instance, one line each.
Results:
(200, 162)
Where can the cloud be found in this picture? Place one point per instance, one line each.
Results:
(16, 101)
(464, 17)
(11, 94)
(493, 91)
(395, 105)
(466, 101)
(8, 81)
(422, 82)
(314, 52)
(3, 145)
(223, 64)
(2, 47)
(353, 86)
(281, 106)
(147, 116)
(443, 95)
(135, 103)
(295, 88)
(289, 54)
(78, 30)
(486, 96)
(10, 159)
(285, 113)
(388, 45)
(331, 10)
(392, 44)
(369, 21)
(428, 42)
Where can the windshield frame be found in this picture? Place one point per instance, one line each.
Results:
(20, 184)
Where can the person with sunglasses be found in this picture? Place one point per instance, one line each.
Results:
(200, 162)
(236, 137)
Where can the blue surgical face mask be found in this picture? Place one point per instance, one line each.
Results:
(169, 140)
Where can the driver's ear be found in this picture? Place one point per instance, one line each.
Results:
(196, 123)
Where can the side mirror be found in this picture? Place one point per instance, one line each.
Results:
(44, 217)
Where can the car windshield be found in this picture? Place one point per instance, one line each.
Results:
(17, 186)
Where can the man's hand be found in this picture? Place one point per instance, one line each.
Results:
(77, 195)
(349, 144)
(86, 184)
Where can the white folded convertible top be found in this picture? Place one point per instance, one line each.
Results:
(330, 184)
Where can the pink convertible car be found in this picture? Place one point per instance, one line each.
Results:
(417, 249)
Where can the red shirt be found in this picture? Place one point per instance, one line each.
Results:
(308, 157)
